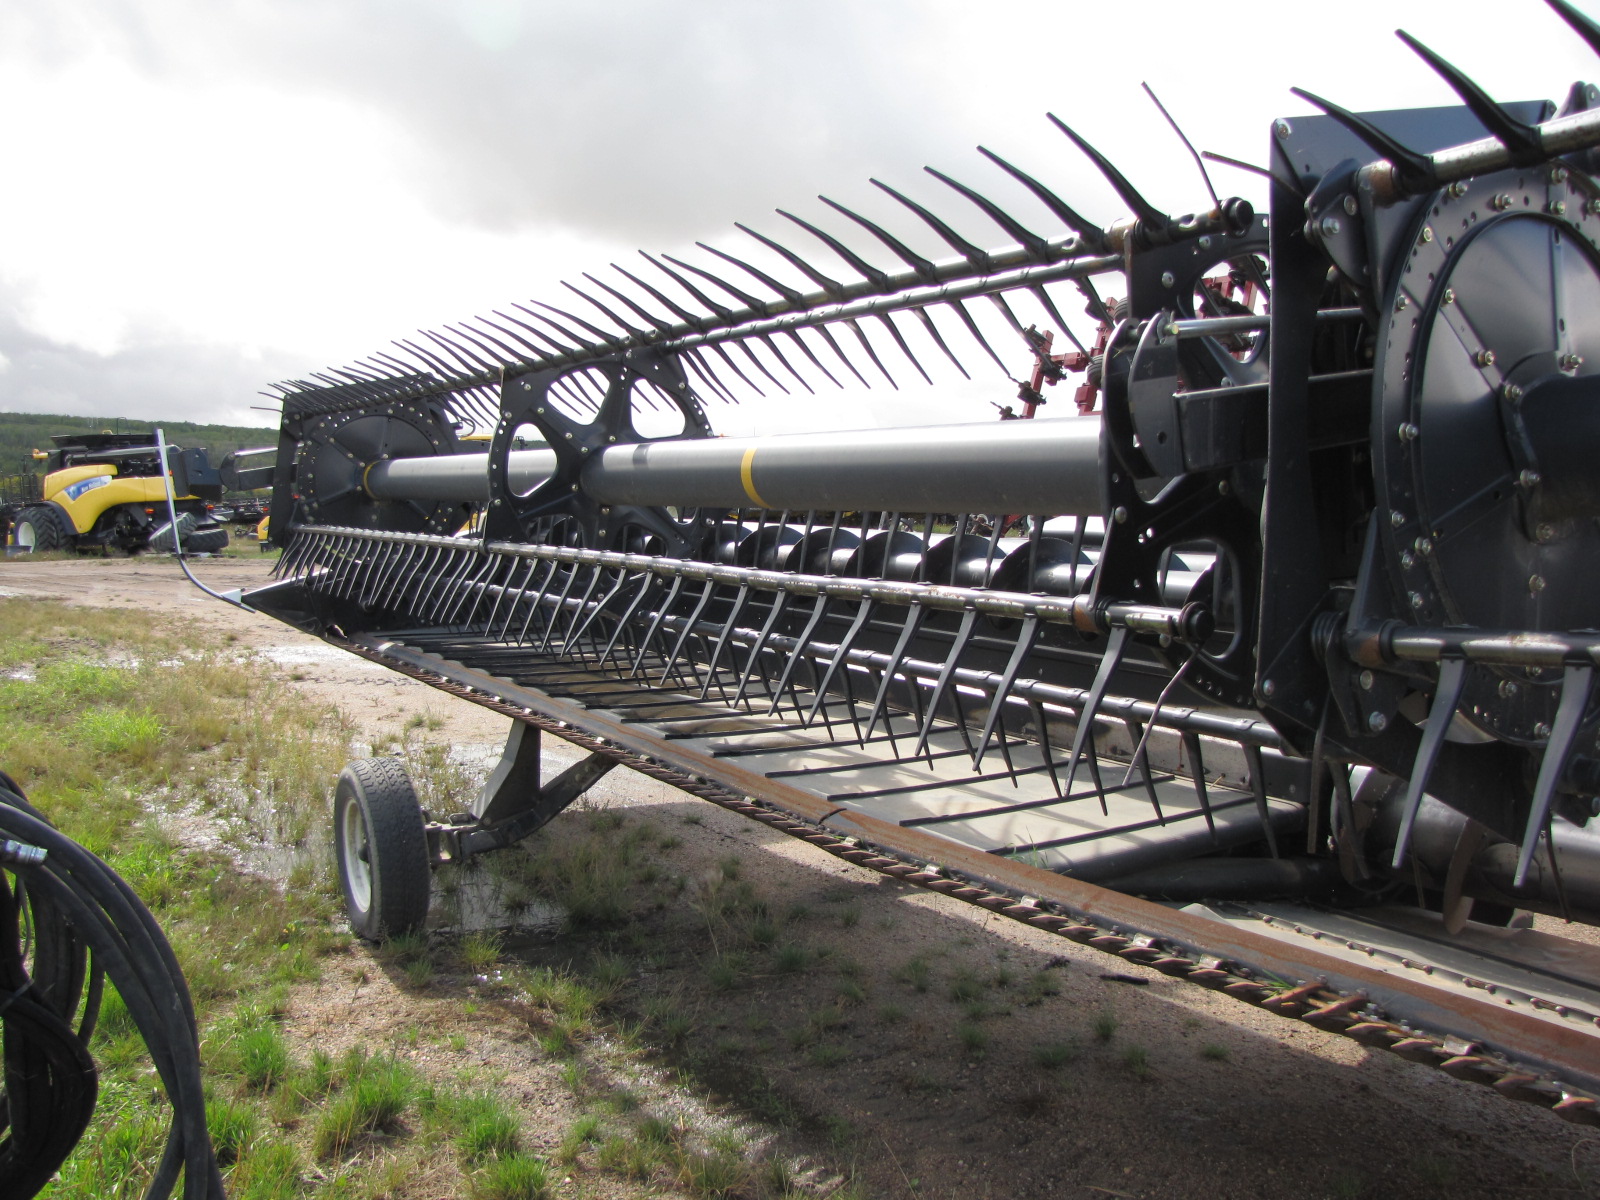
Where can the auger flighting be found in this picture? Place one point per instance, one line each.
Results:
(1301, 620)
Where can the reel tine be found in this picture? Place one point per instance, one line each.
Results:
(642, 313)
(633, 330)
(779, 602)
(899, 249)
(783, 289)
(1141, 763)
(1452, 677)
(609, 339)
(559, 348)
(655, 624)
(513, 357)
(871, 353)
(583, 343)
(734, 367)
(703, 369)
(463, 354)
(743, 297)
(972, 328)
(1258, 789)
(861, 266)
(794, 336)
(969, 620)
(830, 287)
(908, 631)
(625, 622)
(1575, 687)
(1041, 726)
(721, 310)
(1142, 208)
(1197, 771)
(1091, 234)
(1025, 642)
(766, 340)
(1582, 25)
(739, 601)
(1116, 645)
(938, 338)
(973, 254)
(1522, 140)
(762, 367)
(560, 609)
(894, 332)
(1049, 305)
(1415, 170)
(539, 354)
(818, 612)
(856, 626)
(590, 616)
(1026, 238)
(661, 297)
(1144, 737)
(686, 631)
(827, 336)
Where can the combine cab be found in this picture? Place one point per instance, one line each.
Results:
(105, 491)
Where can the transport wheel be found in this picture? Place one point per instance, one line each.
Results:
(382, 849)
(40, 528)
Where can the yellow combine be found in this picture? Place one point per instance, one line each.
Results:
(106, 491)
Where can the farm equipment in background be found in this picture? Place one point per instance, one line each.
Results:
(1287, 691)
(105, 491)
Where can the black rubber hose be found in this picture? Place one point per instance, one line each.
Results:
(73, 886)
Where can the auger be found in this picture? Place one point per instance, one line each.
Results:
(1270, 673)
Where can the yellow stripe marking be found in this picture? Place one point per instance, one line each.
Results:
(749, 483)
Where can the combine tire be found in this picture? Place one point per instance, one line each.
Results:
(41, 527)
(381, 848)
(194, 537)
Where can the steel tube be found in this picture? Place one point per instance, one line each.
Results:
(1029, 467)
(1021, 467)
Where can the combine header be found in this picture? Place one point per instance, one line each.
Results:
(1285, 686)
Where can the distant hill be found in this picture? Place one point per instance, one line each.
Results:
(22, 433)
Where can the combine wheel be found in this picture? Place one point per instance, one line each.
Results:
(382, 849)
(40, 527)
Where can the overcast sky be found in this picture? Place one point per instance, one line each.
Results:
(205, 196)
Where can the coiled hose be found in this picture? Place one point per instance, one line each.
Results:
(67, 922)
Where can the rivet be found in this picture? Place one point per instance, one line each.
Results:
(1167, 279)
(1544, 533)
(1449, 296)
(1377, 722)
(1282, 129)
(1205, 242)
(1224, 487)
(1536, 583)
(1427, 233)
(1350, 205)
(1330, 226)
(1119, 515)
(1367, 679)
(1268, 687)
(1401, 302)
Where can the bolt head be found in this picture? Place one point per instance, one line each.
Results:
(1397, 518)
(1541, 731)
(1529, 478)
(1205, 242)
(1119, 515)
(1424, 546)
(1507, 689)
(1544, 533)
(1167, 279)
(1427, 233)
(1268, 687)
(1449, 296)
(1406, 561)
(1458, 189)
(1366, 678)
(1281, 129)
(1224, 488)
(1558, 174)
(1535, 583)
(1416, 600)
(1350, 205)
(1330, 227)
(1511, 392)
(1401, 302)
(1571, 362)
(1484, 358)
(1408, 432)
(1377, 722)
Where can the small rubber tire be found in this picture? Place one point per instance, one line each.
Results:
(41, 527)
(211, 539)
(381, 846)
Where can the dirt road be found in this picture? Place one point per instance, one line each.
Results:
(935, 1084)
